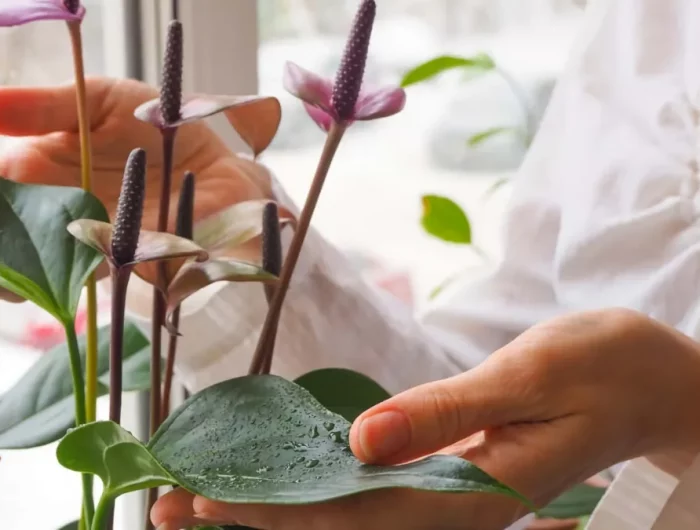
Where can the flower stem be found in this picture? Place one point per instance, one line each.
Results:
(170, 367)
(90, 398)
(267, 338)
(158, 316)
(86, 183)
(120, 283)
(76, 367)
(74, 29)
(103, 515)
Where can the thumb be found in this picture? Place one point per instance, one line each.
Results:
(35, 111)
(431, 417)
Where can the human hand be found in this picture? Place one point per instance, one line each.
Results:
(564, 401)
(47, 149)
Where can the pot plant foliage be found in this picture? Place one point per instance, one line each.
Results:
(221, 441)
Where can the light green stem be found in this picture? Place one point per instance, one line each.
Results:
(90, 396)
(102, 514)
(76, 368)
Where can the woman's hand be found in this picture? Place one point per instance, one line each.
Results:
(562, 402)
(49, 150)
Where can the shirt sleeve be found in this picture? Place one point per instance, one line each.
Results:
(334, 318)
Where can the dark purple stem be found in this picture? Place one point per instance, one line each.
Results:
(183, 228)
(120, 283)
(269, 330)
(158, 317)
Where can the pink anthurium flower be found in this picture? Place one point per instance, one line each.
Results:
(18, 12)
(345, 100)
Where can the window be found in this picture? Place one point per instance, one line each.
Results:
(39, 55)
(371, 203)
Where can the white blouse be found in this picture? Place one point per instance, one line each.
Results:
(604, 213)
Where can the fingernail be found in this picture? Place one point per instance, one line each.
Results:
(384, 434)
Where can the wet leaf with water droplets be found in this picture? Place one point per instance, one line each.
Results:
(211, 447)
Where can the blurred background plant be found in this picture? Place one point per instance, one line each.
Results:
(442, 217)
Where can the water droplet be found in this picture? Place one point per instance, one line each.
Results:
(312, 463)
(314, 432)
(336, 436)
(329, 425)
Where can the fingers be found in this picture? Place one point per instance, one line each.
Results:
(433, 416)
(174, 510)
(35, 111)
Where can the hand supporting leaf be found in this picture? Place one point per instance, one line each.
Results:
(267, 441)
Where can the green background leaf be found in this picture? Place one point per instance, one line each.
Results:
(70, 526)
(480, 63)
(344, 392)
(579, 501)
(39, 408)
(445, 219)
(483, 136)
(40, 260)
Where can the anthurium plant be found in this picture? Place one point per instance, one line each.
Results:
(53, 239)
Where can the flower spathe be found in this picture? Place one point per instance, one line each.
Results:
(316, 93)
(346, 100)
(19, 12)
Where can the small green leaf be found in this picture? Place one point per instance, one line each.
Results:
(579, 501)
(480, 63)
(40, 261)
(445, 219)
(39, 409)
(480, 138)
(107, 450)
(70, 526)
(344, 392)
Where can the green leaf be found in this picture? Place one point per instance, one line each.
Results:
(107, 450)
(480, 138)
(480, 63)
(40, 261)
(269, 441)
(579, 501)
(344, 392)
(39, 409)
(70, 526)
(256, 439)
(445, 219)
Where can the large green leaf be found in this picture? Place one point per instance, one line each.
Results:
(344, 392)
(579, 501)
(256, 439)
(428, 70)
(39, 408)
(445, 219)
(39, 260)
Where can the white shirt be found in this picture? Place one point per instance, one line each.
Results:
(604, 213)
